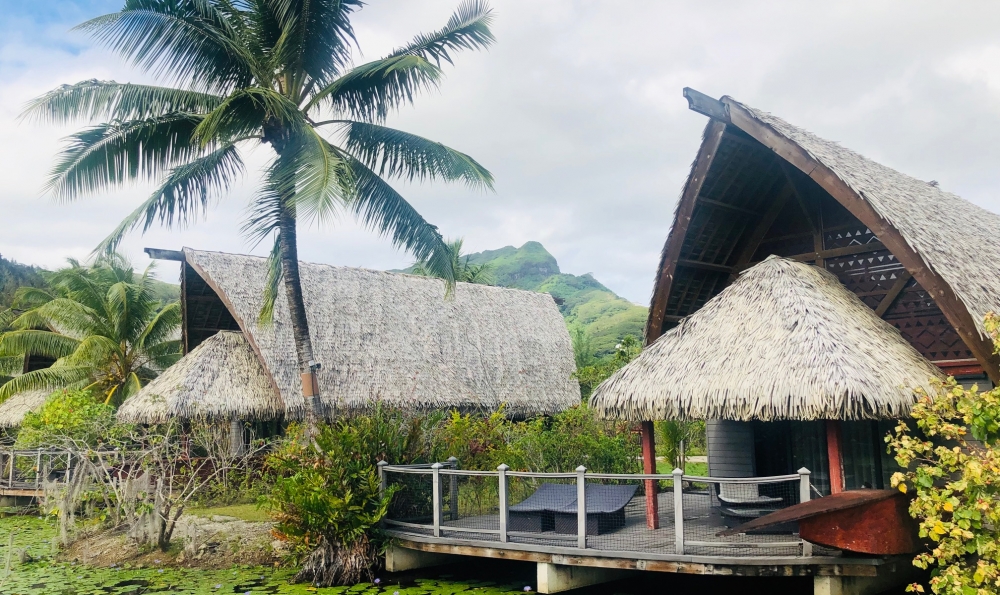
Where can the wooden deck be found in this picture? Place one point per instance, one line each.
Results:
(635, 542)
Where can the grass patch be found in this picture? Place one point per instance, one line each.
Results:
(698, 469)
(246, 512)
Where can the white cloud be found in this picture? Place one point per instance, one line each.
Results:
(578, 112)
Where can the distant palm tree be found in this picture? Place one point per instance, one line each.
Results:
(102, 324)
(464, 270)
(264, 72)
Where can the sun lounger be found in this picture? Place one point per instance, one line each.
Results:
(553, 507)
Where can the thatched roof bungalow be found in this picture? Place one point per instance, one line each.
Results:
(785, 341)
(920, 258)
(386, 337)
(219, 379)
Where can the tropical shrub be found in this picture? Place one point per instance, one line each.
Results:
(950, 455)
(326, 497)
(69, 417)
(572, 438)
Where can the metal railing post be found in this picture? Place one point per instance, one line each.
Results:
(805, 494)
(504, 502)
(13, 457)
(436, 496)
(38, 469)
(453, 489)
(383, 481)
(678, 511)
(69, 464)
(581, 507)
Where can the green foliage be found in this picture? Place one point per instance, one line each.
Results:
(69, 416)
(950, 454)
(102, 324)
(559, 443)
(671, 435)
(329, 491)
(600, 370)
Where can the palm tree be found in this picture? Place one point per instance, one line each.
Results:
(264, 72)
(464, 270)
(102, 324)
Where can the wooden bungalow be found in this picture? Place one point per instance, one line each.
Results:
(781, 358)
(379, 336)
(922, 259)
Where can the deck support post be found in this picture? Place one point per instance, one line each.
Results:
(504, 502)
(556, 578)
(581, 507)
(453, 490)
(805, 494)
(833, 456)
(436, 496)
(678, 512)
(649, 467)
(399, 559)
(860, 585)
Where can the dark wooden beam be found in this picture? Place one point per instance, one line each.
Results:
(204, 298)
(815, 223)
(760, 230)
(672, 318)
(825, 254)
(672, 249)
(705, 266)
(160, 254)
(894, 291)
(703, 104)
(945, 298)
(724, 205)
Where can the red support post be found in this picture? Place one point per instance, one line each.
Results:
(649, 466)
(836, 463)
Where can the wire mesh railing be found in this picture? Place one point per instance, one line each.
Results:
(672, 514)
(32, 469)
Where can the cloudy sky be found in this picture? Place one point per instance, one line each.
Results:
(577, 110)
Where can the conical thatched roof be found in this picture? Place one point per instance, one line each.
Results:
(219, 379)
(396, 338)
(959, 240)
(13, 410)
(785, 341)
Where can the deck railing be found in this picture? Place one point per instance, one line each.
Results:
(31, 469)
(682, 514)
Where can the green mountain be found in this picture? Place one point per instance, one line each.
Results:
(14, 275)
(583, 300)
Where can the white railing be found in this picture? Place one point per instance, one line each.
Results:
(683, 539)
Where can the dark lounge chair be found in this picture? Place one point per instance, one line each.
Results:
(553, 507)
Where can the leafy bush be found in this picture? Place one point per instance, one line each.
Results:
(326, 495)
(951, 461)
(69, 416)
(572, 438)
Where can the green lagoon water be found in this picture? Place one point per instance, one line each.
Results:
(48, 577)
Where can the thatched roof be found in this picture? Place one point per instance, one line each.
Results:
(219, 379)
(13, 410)
(784, 341)
(957, 239)
(396, 338)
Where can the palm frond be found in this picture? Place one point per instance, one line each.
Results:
(94, 349)
(317, 37)
(106, 155)
(65, 314)
(186, 41)
(244, 113)
(373, 90)
(467, 29)
(37, 342)
(399, 154)
(109, 100)
(271, 287)
(162, 327)
(58, 376)
(316, 175)
(378, 206)
(10, 365)
(187, 191)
